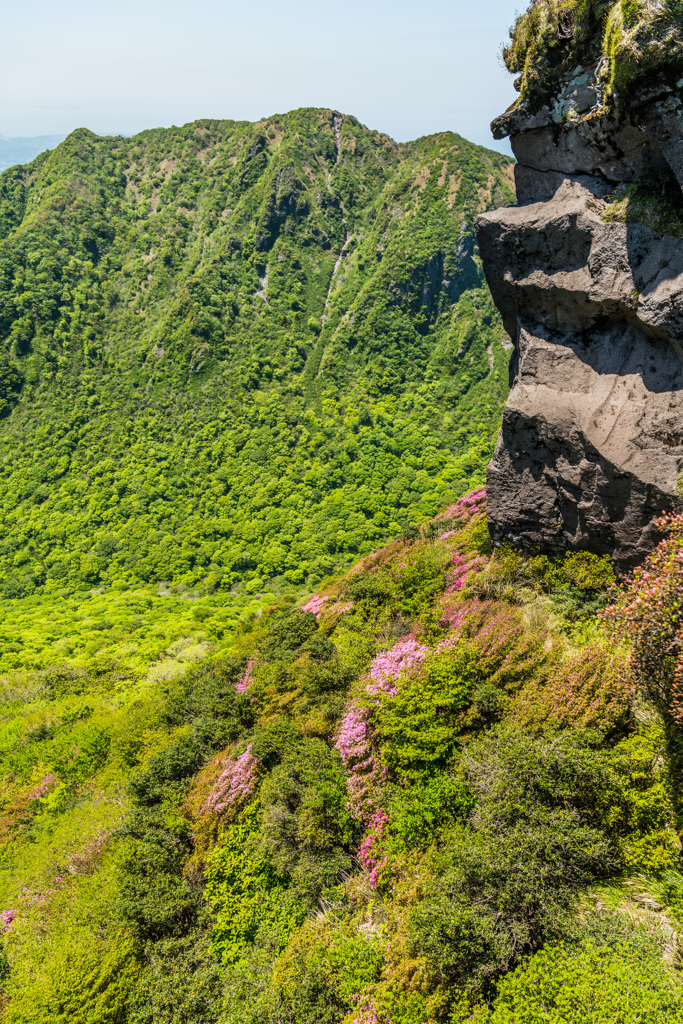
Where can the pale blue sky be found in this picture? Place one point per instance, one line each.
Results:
(406, 68)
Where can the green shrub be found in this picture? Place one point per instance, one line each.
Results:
(306, 831)
(180, 984)
(154, 898)
(563, 985)
(506, 882)
(419, 811)
(245, 894)
(321, 973)
(82, 982)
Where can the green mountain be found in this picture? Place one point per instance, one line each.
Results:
(239, 354)
(444, 789)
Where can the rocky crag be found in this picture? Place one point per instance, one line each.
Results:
(587, 271)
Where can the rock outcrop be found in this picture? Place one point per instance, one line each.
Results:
(591, 446)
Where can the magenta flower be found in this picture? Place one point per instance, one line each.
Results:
(370, 853)
(244, 680)
(7, 917)
(367, 776)
(389, 665)
(44, 787)
(316, 604)
(235, 785)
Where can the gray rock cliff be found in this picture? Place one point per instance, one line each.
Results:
(591, 445)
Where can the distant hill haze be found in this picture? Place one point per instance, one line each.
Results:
(21, 150)
(235, 353)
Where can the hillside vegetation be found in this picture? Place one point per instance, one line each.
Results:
(238, 355)
(442, 789)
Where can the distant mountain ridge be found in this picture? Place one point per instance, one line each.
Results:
(21, 149)
(234, 353)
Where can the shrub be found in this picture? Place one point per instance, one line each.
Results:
(563, 984)
(504, 884)
(83, 982)
(648, 614)
(153, 896)
(180, 984)
(590, 689)
(244, 892)
(319, 976)
(306, 830)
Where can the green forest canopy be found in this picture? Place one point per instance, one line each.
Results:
(239, 354)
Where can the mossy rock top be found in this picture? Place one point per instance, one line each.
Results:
(624, 45)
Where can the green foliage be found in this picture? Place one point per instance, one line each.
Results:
(306, 831)
(419, 811)
(340, 817)
(505, 884)
(581, 569)
(419, 727)
(180, 420)
(180, 984)
(625, 983)
(655, 202)
(319, 976)
(84, 983)
(245, 893)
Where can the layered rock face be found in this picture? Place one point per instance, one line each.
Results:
(591, 445)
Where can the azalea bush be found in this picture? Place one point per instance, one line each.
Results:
(648, 615)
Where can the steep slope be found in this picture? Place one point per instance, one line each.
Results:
(588, 274)
(435, 792)
(238, 352)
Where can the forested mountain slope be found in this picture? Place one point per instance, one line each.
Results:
(234, 352)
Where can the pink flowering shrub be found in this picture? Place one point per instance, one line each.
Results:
(342, 606)
(389, 665)
(370, 854)
(44, 787)
(6, 919)
(462, 566)
(467, 507)
(648, 614)
(235, 785)
(316, 604)
(590, 690)
(368, 1013)
(366, 779)
(506, 651)
(456, 615)
(244, 680)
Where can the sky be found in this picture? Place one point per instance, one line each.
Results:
(404, 68)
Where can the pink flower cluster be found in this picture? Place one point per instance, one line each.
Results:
(370, 853)
(465, 508)
(369, 1014)
(234, 785)
(6, 918)
(463, 565)
(244, 680)
(389, 665)
(366, 775)
(44, 787)
(316, 604)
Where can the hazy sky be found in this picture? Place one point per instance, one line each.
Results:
(406, 68)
